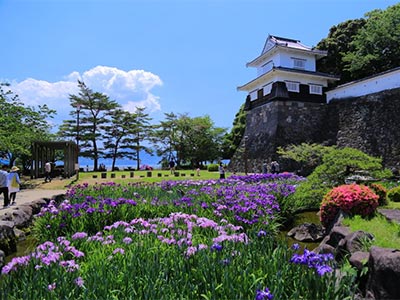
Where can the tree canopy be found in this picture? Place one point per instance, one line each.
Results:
(363, 47)
(189, 140)
(20, 125)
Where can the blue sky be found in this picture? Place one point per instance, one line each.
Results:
(184, 56)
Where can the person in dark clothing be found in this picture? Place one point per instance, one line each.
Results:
(221, 170)
(172, 166)
(274, 167)
(4, 185)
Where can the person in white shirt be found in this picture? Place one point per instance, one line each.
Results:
(47, 172)
(13, 183)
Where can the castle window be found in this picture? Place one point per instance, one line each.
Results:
(267, 88)
(293, 86)
(253, 95)
(299, 63)
(315, 89)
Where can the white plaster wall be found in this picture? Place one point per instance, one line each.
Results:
(287, 60)
(274, 61)
(386, 81)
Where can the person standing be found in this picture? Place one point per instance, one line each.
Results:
(265, 167)
(221, 170)
(47, 172)
(274, 167)
(172, 166)
(13, 183)
(4, 185)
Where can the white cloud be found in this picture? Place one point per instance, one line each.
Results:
(131, 89)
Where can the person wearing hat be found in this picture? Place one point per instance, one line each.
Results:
(13, 183)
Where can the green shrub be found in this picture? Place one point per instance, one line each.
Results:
(305, 157)
(352, 199)
(381, 191)
(337, 165)
(308, 195)
(212, 167)
(394, 194)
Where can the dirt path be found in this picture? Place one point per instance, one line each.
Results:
(29, 195)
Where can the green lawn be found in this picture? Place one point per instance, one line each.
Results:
(387, 234)
(149, 176)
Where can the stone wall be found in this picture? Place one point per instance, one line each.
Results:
(279, 123)
(370, 123)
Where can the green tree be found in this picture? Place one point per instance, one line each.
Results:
(117, 140)
(164, 138)
(377, 44)
(198, 140)
(306, 157)
(190, 141)
(338, 43)
(94, 110)
(20, 125)
(232, 139)
(142, 134)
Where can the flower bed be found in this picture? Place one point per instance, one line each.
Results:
(186, 240)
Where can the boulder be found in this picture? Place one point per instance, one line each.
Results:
(337, 234)
(8, 241)
(324, 248)
(37, 205)
(19, 234)
(307, 232)
(359, 259)
(353, 241)
(392, 215)
(384, 270)
(20, 216)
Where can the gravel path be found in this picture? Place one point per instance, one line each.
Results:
(28, 195)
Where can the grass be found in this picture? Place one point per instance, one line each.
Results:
(122, 177)
(386, 233)
(392, 205)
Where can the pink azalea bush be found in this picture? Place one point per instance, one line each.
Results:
(352, 199)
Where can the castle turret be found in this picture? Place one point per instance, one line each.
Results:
(286, 70)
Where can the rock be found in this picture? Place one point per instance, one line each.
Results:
(353, 241)
(337, 234)
(37, 205)
(392, 215)
(384, 269)
(20, 217)
(19, 234)
(8, 241)
(359, 259)
(307, 232)
(324, 248)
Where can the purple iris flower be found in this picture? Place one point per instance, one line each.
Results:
(216, 247)
(264, 294)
